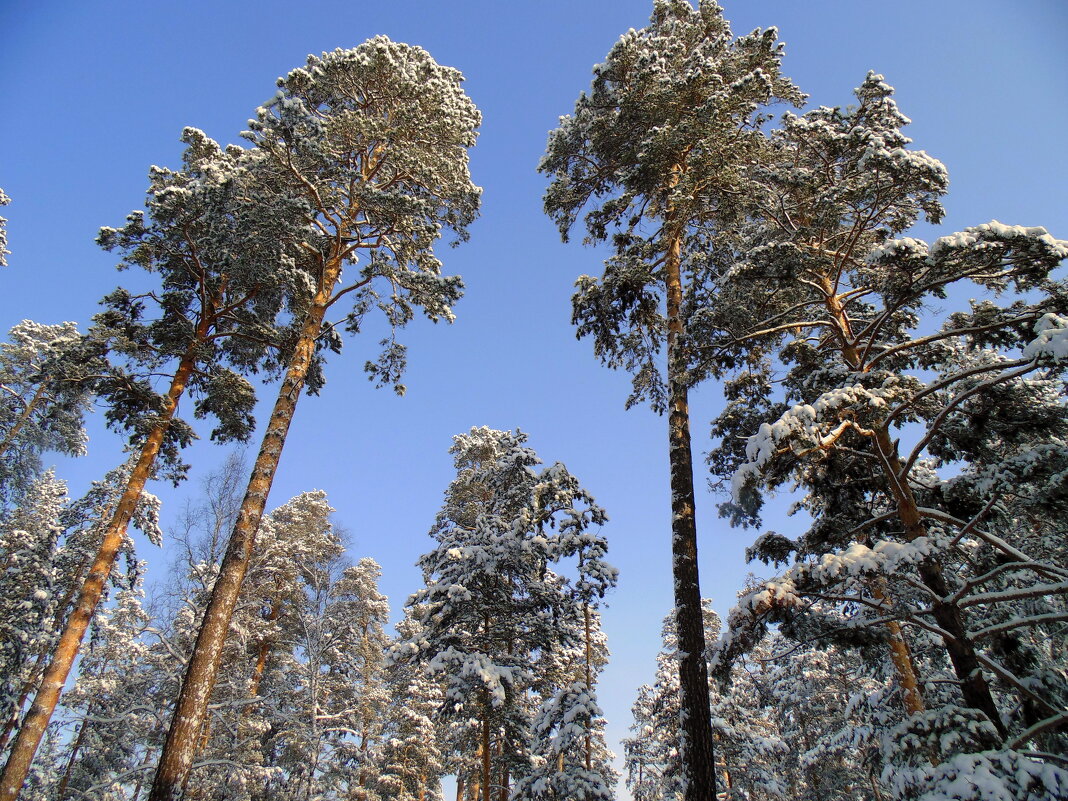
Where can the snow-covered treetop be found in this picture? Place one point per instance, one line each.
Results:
(679, 93)
(655, 153)
(373, 142)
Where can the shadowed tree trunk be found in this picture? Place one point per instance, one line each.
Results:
(696, 723)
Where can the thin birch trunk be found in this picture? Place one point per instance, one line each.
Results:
(44, 704)
(191, 707)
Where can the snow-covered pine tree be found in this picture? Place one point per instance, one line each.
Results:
(819, 694)
(261, 723)
(371, 144)
(337, 685)
(410, 761)
(653, 756)
(756, 760)
(655, 151)
(222, 282)
(570, 758)
(28, 541)
(111, 706)
(931, 451)
(492, 604)
(46, 375)
(81, 525)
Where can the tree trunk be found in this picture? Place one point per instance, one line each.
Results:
(262, 653)
(486, 788)
(589, 682)
(901, 657)
(61, 789)
(696, 723)
(30, 683)
(44, 703)
(192, 704)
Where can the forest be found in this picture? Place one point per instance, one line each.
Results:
(905, 639)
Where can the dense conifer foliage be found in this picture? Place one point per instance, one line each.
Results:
(496, 615)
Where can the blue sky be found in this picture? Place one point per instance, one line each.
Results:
(93, 93)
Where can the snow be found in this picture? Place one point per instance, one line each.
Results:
(1051, 340)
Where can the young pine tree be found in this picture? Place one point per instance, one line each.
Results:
(493, 606)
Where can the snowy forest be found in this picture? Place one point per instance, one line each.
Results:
(903, 635)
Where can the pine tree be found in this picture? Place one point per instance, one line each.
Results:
(47, 379)
(410, 759)
(28, 540)
(916, 440)
(111, 694)
(570, 757)
(371, 143)
(492, 604)
(222, 284)
(63, 565)
(656, 149)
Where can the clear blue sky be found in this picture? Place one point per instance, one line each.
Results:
(93, 93)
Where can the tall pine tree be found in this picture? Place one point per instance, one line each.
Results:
(656, 149)
(371, 143)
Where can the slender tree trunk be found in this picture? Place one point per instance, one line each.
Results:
(901, 657)
(697, 751)
(61, 790)
(589, 682)
(192, 704)
(44, 704)
(459, 786)
(486, 754)
(957, 641)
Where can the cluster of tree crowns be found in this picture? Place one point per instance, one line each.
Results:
(928, 450)
(489, 678)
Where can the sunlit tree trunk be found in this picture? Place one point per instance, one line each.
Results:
(44, 703)
(191, 707)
